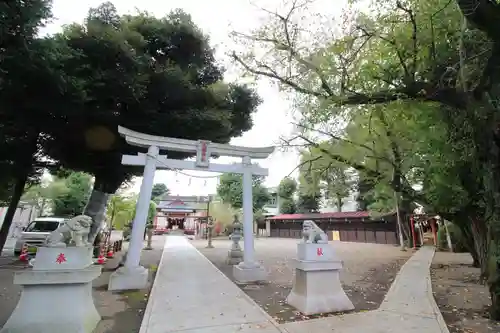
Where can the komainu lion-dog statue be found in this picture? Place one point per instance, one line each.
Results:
(311, 233)
(72, 233)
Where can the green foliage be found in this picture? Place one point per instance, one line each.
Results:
(120, 210)
(158, 191)
(65, 196)
(133, 70)
(222, 213)
(41, 195)
(151, 212)
(29, 96)
(286, 192)
(309, 188)
(365, 187)
(457, 239)
(288, 206)
(128, 226)
(417, 84)
(308, 203)
(73, 197)
(230, 190)
(287, 188)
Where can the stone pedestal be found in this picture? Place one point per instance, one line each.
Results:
(57, 293)
(249, 273)
(316, 287)
(125, 278)
(234, 256)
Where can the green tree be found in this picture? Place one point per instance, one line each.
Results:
(120, 210)
(133, 71)
(222, 212)
(308, 203)
(288, 206)
(42, 195)
(365, 187)
(230, 190)
(158, 191)
(322, 174)
(309, 189)
(418, 52)
(151, 213)
(286, 192)
(338, 185)
(27, 102)
(72, 199)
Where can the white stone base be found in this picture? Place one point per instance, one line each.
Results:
(128, 279)
(317, 288)
(234, 257)
(244, 274)
(55, 301)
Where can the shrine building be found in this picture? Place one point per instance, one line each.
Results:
(180, 212)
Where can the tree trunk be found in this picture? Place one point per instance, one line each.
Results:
(495, 301)
(19, 185)
(493, 266)
(468, 237)
(404, 210)
(23, 167)
(339, 203)
(96, 209)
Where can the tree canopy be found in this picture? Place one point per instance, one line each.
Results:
(411, 88)
(153, 75)
(286, 192)
(61, 196)
(72, 90)
(230, 190)
(73, 196)
(120, 210)
(159, 190)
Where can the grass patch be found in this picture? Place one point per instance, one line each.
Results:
(135, 295)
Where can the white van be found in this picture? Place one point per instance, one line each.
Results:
(37, 231)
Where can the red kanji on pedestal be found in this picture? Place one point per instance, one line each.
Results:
(319, 251)
(61, 258)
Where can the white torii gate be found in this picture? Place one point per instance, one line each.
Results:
(132, 275)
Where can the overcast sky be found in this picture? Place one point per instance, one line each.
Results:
(217, 18)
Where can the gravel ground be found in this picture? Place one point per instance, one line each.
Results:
(369, 270)
(121, 312)
(462, 299)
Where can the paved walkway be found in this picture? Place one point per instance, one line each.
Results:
(190, 295)
(408, 307)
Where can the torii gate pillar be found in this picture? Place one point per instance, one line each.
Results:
(134, 276)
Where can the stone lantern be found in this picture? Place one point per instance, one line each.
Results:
(235, 254)
(210, 227)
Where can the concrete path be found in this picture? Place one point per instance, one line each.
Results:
(408, 307)
(190, 295)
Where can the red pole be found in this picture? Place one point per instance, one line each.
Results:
(413, 234)
(155, 222)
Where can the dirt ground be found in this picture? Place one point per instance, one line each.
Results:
(463, 301)
(121, 312)
(369, 270)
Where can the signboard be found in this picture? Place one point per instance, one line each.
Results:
(203, 154)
